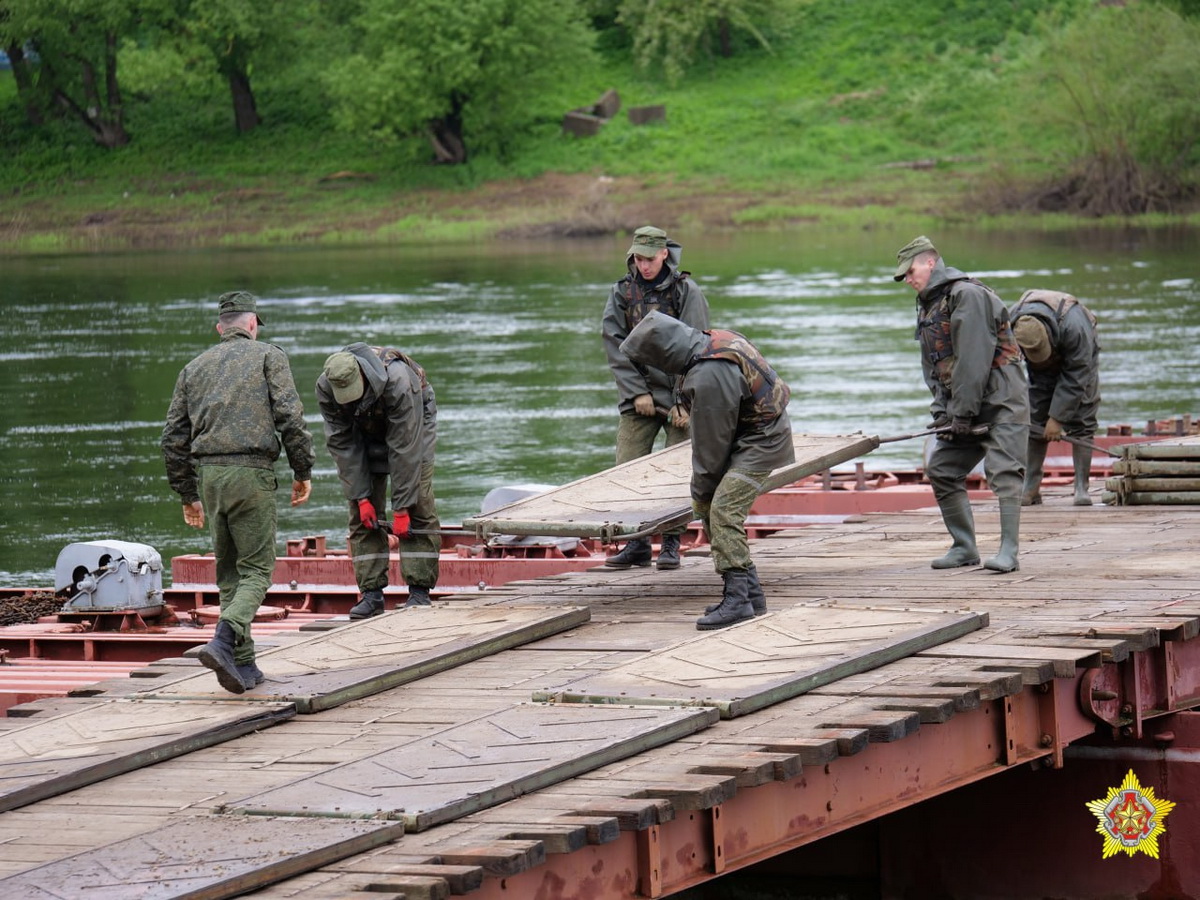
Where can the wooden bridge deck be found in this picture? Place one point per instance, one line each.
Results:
(577, 732)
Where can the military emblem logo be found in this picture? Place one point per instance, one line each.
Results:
(1131, 818)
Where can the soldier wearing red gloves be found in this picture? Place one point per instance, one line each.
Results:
(381, 422)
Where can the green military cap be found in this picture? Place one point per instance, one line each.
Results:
(345, 376)
(240, 301)
(647, 241)
(910, 251)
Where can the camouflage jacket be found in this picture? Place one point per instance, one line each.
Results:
(391, 429)
(231, 403)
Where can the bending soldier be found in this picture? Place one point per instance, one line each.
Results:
(740, 433)
(971, 363)
(1057, 334)
(647, 395)
(220, 444)
(381, 421)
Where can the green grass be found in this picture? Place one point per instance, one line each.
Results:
(812, 130)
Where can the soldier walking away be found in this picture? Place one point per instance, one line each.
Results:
(231, 406)
(381, 422)
(971, 363)
(647, 396)
(740, 434)
(1057, 334)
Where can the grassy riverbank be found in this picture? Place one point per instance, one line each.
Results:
(861, 115)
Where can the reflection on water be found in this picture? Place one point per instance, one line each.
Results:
(509, 337)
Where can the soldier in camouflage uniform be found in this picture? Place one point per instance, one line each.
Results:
(647, 400)
(220, 443)
(740, 433)
(972, 365)
(381, 420)
(1057, 334)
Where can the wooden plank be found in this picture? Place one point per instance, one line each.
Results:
(772, 658)
(480, 763)
(647, 494)
(1064, 660)
(179, 859)
(460, 879)
(48, 755)
(383, 652)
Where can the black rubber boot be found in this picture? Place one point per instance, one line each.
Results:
(758, 600)
(217, 655)
(1082, 458)
(956, 513)
(636, 553)
(1010, 528)
(371, 604)
(251, 674)
(1031, 494)
(668, 553)
(734, 606)
(417, 596)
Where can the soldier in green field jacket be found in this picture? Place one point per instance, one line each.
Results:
(222, 438)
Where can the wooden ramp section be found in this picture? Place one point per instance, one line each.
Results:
(195, 857)
(383, 652)
(48, 756)
(480, 763)
(771, 658)
(646, 495)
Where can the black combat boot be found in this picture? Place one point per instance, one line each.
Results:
(758, 600)
(956, 514)
(1035, 461)
(1082, 458)
(734, 606)
(251, 674)
(217, 655)
(417, 596)
(370, 604)
(636, 553)
(668, 553)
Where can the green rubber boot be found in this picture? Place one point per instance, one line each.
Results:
(1035, 460)
(1010, 528)
(956, 513)
(1082, 458)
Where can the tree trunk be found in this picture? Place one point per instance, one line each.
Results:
(724, 38)
(23, 75)
(245, 110)
(445, 134)
(106, 124)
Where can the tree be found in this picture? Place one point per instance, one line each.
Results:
(1123, 123)
(77, 43)
(458, 73)
(671, 33)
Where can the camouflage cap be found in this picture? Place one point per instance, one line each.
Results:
(1031, 334)
(345, 376)
(239, 302)
(910, 251)
(647, 241)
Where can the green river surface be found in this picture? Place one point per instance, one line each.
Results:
(509, 336)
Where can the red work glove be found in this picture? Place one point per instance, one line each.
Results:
(401, 523)
(367, 514)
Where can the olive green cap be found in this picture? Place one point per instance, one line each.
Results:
(345, 377)
(238, 302)
(647, 241)
(910, 251)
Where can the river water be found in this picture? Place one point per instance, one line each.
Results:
(509, 335)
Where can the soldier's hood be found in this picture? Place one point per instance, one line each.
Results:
(665, 343)
(671, 263)
(374, 373)
(939, 277)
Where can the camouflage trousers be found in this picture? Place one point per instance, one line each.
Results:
(635, 439)
(418, 552)
(724, 518)
(239, 503)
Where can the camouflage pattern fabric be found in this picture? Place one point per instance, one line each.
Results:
(769, 394)
(635, 439)
(240, 505)
(724, 518)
